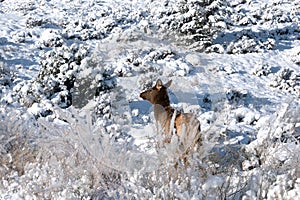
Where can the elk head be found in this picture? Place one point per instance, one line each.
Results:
(158, 94)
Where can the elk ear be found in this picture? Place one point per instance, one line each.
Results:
(168, 84)
(159, 84)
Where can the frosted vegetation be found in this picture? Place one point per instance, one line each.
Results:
(73, 125)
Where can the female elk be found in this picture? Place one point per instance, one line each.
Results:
(187, 127)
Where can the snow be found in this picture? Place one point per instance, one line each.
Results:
(72, 124)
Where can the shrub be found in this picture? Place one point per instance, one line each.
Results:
(287, 80)
(195, 23)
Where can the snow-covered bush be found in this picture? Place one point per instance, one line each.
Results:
(142, 62)
(55, 78)
(83, 30)
(190, 23)
(68, 76)
(93, 78)
(276, 151)
(262, 70)
(6, 75)
(50, 38)
(235, 96)
(32, 22)
(71, 158)
(248, 44)
(287, 80)
(17, 146)
(108, 20)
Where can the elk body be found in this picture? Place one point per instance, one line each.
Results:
(186, 126)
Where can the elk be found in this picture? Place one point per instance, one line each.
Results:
(185, 125)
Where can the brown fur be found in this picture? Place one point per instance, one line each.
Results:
(184, 123)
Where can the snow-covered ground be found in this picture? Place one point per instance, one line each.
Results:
(73, 125)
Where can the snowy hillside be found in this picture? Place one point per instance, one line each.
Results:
(74, 127)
